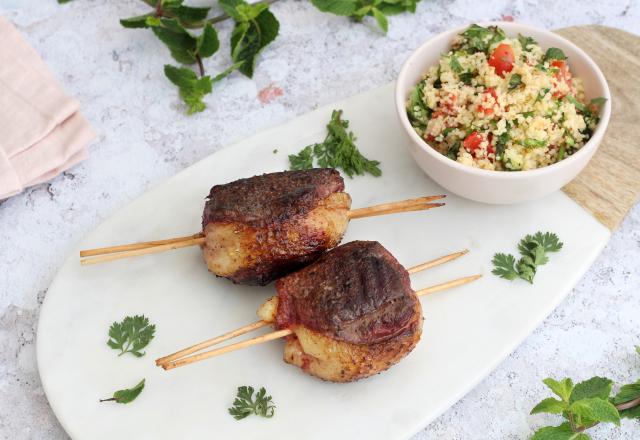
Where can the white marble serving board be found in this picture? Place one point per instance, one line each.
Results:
(467, 331)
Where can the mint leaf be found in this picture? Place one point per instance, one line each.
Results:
(207, 43)
(381, 19)
(138, 22)
(255, 28)
(192, 89)
(626, 394)
(596, 409)
(550, 405)
(337, 7)
(187, 15)
(181, 44)
(562, 389)
(562, 432)
(599, 387)
(126, 395)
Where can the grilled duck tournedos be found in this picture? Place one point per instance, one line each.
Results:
(263, 227)
(352, 312)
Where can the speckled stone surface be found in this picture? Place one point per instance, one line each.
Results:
(144, 138)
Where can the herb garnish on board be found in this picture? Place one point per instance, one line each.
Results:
(338, 150)
(131, 335)
(126, 395)
(245, 405)
(533, 250)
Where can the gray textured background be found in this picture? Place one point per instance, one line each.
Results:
(144, 138)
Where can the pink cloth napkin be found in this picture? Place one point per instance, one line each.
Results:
(42, 132)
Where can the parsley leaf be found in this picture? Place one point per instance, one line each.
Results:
(553, 53)
(452, 151)
(533, 250)
(303, 160)
(480, 39)
(534, 143)
(245, 405)
(126, 395)
(131, 335)
(338, 150)
(455, 64)
(541, 94)
(504, 266)
(417, 110)
(525, 42)
(515, 81)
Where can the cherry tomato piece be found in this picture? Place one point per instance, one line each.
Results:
(473, 141)
(502, 59)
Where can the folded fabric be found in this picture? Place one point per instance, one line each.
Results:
(42, 132)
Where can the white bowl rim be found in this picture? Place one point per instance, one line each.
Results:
(521, 174)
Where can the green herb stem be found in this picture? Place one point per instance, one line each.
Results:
(223, 17)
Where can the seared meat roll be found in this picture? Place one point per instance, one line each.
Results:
(263, 227)
(352, 312)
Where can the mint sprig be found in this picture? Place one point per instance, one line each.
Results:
(359, 9)
(255, 28)
(585, 405)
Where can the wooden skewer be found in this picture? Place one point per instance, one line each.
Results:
(136, 246)
(259, 324)
(437, 261)
(447, 285)
(144, 251)
(209, 342)
(393, 207)
(111, 253)
(286, 332)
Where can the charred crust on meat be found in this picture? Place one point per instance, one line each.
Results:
(356, 293)
(261, 201)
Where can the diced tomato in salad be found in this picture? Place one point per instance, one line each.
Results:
(473, 141)
(488, 110)
(562, 75)
(502, 59)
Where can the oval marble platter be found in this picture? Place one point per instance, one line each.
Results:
(467, 330)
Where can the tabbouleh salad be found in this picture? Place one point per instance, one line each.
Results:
(501, 103)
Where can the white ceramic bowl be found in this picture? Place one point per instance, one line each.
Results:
(501, 187)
